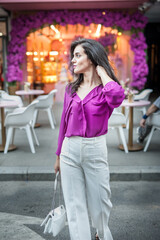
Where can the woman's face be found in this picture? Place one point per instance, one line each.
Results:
(80, 60)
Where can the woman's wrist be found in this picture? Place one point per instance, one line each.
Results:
(145, 116)
(105, 79)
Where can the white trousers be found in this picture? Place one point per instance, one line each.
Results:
(85, 185)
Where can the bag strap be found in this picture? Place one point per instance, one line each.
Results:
(55, 191)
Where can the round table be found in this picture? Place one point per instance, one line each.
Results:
(5, 104)
(131, 105)
(29, 93)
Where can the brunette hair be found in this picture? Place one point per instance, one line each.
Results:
(98, 56)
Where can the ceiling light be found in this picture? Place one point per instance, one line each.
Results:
(55, 29)
(97, 34)
(53, 53)
(119, 33)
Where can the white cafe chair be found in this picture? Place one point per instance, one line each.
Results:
(6, 96)
(116, 121)
(144, 95)
(21, 118)
(46, 103)
(154, 120)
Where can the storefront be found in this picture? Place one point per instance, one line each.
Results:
(38, 51)
(39, 48)
(47, 52)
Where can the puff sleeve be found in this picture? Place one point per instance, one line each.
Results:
(113, 94)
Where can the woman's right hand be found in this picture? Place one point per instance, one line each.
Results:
(57, 165)
(143, 122)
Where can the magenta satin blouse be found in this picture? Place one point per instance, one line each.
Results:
(89, 117)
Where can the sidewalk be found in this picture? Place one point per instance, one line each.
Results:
(21, 164)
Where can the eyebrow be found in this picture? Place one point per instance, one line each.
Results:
(76, 52)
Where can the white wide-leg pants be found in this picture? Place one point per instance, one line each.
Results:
(85, 184)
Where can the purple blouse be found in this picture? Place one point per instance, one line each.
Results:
(89, 117)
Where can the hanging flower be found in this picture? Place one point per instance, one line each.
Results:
(140, 68)
(107, 40)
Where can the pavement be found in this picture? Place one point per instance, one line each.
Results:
(24, 204)
(21, 164)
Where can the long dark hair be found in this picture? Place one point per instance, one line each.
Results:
(98, 56)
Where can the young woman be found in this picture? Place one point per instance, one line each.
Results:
(82, 152)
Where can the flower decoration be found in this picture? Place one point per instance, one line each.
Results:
(24, 24)
(128, 91)
(125, 83)
(140, 68)
(107, 40)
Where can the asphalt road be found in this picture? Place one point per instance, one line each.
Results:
(135, 214)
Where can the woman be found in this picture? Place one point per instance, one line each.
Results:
(82, 151)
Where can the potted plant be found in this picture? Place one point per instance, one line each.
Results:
(12, 87)
(14, 76)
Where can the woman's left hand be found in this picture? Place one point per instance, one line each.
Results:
(100, 71)
(103, 75)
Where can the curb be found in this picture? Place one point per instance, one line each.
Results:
(117, 173)
(138, 173)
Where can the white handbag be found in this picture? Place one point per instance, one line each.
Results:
(56, 218)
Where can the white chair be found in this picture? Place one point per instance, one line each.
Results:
(154, 120)
(144, 95)
(6, 96)
(46, 103)
(21, 118)
(116, 121)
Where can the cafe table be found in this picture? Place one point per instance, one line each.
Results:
(132, 146)
(30, 93)
(5, 104)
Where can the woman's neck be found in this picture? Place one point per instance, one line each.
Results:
(91, 78)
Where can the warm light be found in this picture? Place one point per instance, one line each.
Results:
(97, 34)
(1, 34)
(65, 52)
(103, 13)
(35, 53)
(45, 53)
(52, 58)
(60, 39)
(53, 53)
(41, 53)
(42, 59)
(35, 59)
(28, 53)
(55, 29)
(89, 30)
(119, 33)
(48, 79)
